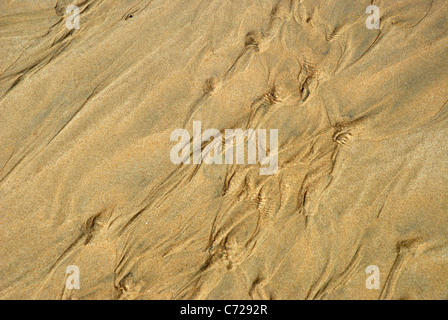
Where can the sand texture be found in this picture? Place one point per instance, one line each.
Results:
(86, 177)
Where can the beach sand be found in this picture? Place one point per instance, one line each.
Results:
(86, 177)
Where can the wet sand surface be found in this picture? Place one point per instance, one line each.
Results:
(86, 178)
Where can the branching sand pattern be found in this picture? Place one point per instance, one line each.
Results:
(85, 172)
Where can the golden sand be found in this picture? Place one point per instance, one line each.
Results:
(86, 178)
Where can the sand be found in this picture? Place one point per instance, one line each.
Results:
(86, 178)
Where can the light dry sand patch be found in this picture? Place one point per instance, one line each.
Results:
(85, 171)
